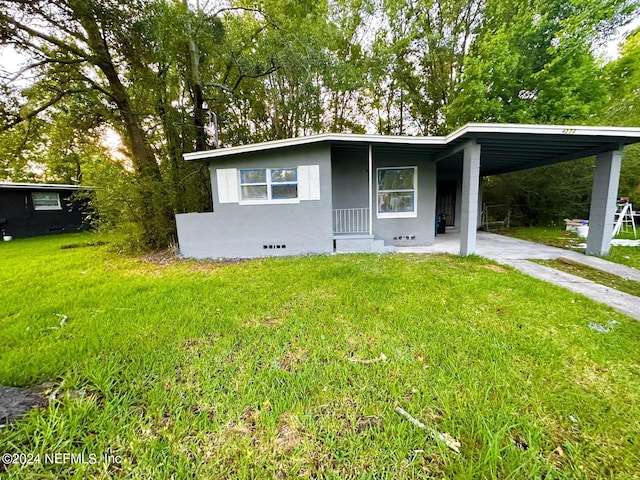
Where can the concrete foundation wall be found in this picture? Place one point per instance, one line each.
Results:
(247, 231)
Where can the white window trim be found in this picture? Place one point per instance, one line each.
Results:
(46, 207)
(413, 214)
(269, 184)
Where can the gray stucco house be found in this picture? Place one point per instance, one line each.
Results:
(369, 193)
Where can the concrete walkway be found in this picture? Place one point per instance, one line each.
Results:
(518, 253)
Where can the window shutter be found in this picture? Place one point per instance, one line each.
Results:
(309, 182)
(227, 185)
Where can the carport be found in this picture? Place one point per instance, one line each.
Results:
(480, 150)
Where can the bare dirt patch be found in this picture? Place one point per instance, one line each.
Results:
(293, 358)
(82, 245)
(289, 435)
(168, 257)
(365, 423)
(594, 376)
(165, 257)
(15, 402)
(496, 268)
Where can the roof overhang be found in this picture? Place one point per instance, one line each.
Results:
(504, 147)
(40, 186)
(512, 147)
(332, 138)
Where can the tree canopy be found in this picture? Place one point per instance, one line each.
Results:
(162, 74)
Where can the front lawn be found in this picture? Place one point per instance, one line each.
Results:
(294, 367)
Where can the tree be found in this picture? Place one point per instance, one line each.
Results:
(622, 77)
(532, 63)
(425, 43)
(80, 42)
(158, 72)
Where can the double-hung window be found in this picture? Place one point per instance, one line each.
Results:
(397, 192)
(269, 184)
(46, 201)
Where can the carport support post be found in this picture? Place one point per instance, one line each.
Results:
(604, 192)
(470, 192)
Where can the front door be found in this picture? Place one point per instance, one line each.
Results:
(446, 200)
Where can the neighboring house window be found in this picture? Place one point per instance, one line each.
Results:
(46, 201)
(397, 192)
(269, 184)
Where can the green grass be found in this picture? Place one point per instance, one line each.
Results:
(204, 370)
(558, 237)
(553, 236)
(607, 279)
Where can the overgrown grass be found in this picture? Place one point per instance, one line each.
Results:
(196, 369)
(553, 236)
(558, 237)
(629, 256)
(604, 278)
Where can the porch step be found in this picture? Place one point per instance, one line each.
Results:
(360, 244)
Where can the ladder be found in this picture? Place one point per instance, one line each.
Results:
(624, 219)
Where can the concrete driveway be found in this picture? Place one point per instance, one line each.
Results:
(518, 253)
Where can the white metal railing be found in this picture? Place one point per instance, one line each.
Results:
(351, 220)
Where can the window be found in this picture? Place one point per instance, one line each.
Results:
(46, 200)
(269, 184)
(253, 184)
(397, 192)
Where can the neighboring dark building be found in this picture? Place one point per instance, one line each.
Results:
(31, 209)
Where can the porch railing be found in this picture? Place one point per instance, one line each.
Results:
(351, 220)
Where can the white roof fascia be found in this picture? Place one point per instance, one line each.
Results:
(42, 186)
(569, 130)
(469, 130)
(326, 137)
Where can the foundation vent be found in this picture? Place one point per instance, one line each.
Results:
(271, 247)
(405, 237)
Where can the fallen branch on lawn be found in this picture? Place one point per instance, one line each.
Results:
(64, 318)
(451, 442)
(411, 418)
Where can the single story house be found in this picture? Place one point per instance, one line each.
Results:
(31, 209)
(369, 193)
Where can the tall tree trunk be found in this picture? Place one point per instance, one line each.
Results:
(197, 95)
(156, 214)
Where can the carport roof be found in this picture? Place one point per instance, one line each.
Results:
(504, 147)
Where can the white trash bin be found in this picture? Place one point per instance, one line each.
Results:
(583, 231)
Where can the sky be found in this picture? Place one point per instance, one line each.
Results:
(610, 50)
